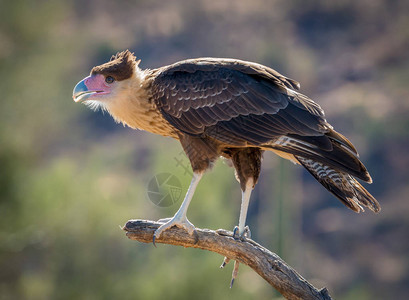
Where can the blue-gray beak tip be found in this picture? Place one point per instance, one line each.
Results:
(81, 92)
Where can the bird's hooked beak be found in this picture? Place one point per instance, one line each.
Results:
(81, 91)
(87, 88)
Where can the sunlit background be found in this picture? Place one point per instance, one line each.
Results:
(69, 177)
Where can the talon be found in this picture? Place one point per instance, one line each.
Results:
(235, 272)
(225, 262)
(247, 232)
(235, 230)
(241, 236)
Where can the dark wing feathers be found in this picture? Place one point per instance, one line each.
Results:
(245, 67)
(196, 95)
(343, 141)
(247, 104)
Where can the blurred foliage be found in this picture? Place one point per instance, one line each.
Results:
(70, 176)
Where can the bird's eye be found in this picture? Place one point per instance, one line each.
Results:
(109, 79)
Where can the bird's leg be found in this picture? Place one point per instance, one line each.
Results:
(243, 230)
(179, 219)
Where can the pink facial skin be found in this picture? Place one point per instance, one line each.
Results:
(97, 83)
(91, 88)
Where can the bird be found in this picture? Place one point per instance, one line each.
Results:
(229, 108)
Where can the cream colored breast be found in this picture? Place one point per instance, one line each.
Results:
(133, 108)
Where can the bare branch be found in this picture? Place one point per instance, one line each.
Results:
(266, 263)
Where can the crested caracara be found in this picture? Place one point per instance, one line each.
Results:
(230, 108)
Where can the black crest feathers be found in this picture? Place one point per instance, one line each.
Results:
(121, 66)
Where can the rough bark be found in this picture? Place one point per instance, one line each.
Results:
(266, 263)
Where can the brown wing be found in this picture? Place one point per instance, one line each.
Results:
(236, 102)
(246, 104)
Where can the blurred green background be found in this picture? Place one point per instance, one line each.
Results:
(69, 177)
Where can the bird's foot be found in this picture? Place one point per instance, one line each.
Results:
(246, 234)
(178, 221)
(235, 269)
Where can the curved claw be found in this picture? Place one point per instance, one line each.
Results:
(234, 273)
(153, 240)
(225, 262)
(245, 234)
(235, 230)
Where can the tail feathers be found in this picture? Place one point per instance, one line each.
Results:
(342, 140)
(342, 185)
(339, 155)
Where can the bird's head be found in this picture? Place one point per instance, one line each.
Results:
(108, 82)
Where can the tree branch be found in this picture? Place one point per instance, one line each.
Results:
(266, 263)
